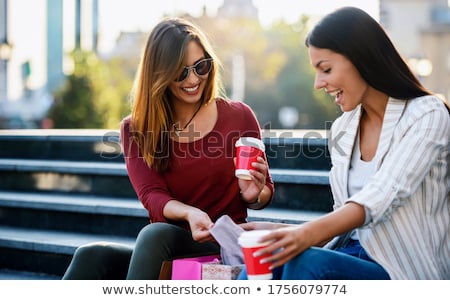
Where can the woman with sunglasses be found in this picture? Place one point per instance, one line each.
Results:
(179, 146)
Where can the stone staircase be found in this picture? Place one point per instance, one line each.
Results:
(63, 188)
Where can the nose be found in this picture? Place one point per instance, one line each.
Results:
(319, 83)
(191, 73)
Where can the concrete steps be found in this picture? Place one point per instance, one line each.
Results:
(61, 189)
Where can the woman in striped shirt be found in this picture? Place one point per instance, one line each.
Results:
(390, 166)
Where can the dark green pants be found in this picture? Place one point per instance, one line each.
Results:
(155, 243)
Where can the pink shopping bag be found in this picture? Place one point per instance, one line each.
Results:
(191, 268)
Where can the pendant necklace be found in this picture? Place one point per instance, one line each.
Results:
(178, 130)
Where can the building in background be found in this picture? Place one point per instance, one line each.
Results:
(24, 99)
(238, 9)
(421, 31)
(5, 51)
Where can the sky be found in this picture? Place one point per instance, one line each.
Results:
(143, 14)
(27, 28)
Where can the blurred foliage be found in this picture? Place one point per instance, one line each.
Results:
(277, 74)
(95, 95)
(74, 105)
(277, 69)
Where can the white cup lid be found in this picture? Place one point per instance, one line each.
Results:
(251, 238)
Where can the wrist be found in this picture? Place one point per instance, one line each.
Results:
(257, 201)
(249, 202)
(255, 204)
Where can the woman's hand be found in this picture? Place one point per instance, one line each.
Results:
(287, 242)
(200, 224)
(199, 221)
(250, 189)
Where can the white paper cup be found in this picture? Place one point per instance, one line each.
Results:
(249, 241)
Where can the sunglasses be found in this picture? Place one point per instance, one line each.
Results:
(201, 68)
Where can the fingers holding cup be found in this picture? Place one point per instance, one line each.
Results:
(249, 152)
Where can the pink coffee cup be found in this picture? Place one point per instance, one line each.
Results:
(248, 149)
(249, 241)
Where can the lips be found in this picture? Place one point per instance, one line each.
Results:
(191, 89)
(335, 93)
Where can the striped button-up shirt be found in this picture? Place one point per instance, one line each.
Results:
(408, 197)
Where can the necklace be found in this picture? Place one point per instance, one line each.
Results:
(178, 130)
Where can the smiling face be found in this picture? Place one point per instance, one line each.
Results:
(338, 77)
(191, 89)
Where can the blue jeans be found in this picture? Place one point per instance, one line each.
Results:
(350, 262)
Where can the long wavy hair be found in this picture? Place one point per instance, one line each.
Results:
(353, 33)
(152, 106)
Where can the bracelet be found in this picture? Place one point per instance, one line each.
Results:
(257, 201)
(256, 204)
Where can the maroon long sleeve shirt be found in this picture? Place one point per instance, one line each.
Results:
(201, 173)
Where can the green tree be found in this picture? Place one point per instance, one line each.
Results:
(113, 81)
(277, 69)
(74, 105)
(294, 85)
(95, 95)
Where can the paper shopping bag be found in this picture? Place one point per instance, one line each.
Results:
(191, 268)
(166, 270)
(218, 271)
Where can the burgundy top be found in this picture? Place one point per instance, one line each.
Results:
(201, 173)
